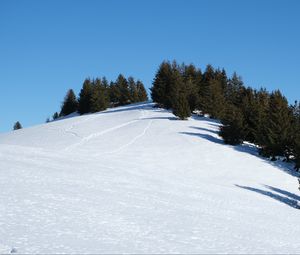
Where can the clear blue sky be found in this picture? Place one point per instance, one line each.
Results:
(49, 46)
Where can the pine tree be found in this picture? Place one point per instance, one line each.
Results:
(123, 90)
(232, 131)
(134, 97)
(55, 116)
(114, 94)
(162, 86)
(262, 99)
(215, 102)
(278, 127)
(141, 91)
(70, 104)
(85, 97)
(180, 105)
(99, 99)
(233, 91)
(205, 89)
(17, 126)
(192, 79)
(295, 141)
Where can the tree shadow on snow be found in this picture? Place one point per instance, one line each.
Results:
(244, 148)
(205, 129)
(160, 118)
(204, 136)
(284, 197)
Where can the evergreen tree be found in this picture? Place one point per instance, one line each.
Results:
(278, 127)
(114, 94)
(180, 105)
(17, 126)
(121, 86)
(141, 92)
(205, 89)
(55, 116)
(295, 141)
(262, 99)
(232, 131)
(70, 104)
(192, 79)
(134, 97)
(99, 99)
(233, 91)
(215, 102)
(85, 97)
(162, 85)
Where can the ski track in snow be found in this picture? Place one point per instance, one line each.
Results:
(132, 141)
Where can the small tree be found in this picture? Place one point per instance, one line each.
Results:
(99, 99)
(55, 116)
(233, 129)
(85, 97)
(69, 105)
(181, 107)
(17, 125)
(142, 93)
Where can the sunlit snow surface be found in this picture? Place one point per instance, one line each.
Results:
(136, 180)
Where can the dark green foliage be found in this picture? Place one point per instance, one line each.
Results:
(295, 138)
(233, 131)
(278, 127)
(114, 94)
(99, 99)
(205, 90)
(141, 91)
(17, 126)
(192, 79)
(181, 107)
(85, 97)
(133, 91)
(70, 104)
(233, 91)
(180, 104)
(121, 86)
(162, 86)
(55, 116)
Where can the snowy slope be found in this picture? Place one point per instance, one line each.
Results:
(134, 180)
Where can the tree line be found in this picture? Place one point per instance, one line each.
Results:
(98, 94)
(256, 116)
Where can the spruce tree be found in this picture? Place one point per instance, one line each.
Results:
(180, 105)
(55, 116)
(99, 99)
(192, 79)
(70, 104)
(205, 89)
(295, 141)
(121, 85)
(85, 97)
(232, 131)
(162, 84)
(141, 92)
(17, 126)
(233, 91)
(134, 97)
(278, 127)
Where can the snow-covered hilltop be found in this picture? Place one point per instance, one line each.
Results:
(135, 180)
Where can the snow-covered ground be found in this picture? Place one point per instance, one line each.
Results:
(135, 180)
